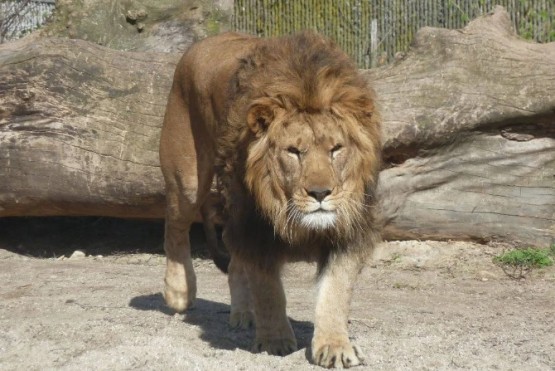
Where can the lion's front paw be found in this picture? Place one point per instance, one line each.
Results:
(241, 319)
(178, 300)
(336, 354)
(278, 347)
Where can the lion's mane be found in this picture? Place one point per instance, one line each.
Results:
(304, 73)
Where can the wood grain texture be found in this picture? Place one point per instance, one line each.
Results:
(470, 136)
(469, 125)
(79, 129)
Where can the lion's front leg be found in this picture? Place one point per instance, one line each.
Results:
(330, 345)
(274, 333)
(241, 315)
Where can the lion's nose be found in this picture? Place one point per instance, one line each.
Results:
(318, 193)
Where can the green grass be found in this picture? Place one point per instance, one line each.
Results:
(516, 263)
(530, 257)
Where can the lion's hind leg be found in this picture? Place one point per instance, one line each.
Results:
(188, 175)
(180, 281)
(217, 251)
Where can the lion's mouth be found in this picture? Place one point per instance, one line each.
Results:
(319, 219)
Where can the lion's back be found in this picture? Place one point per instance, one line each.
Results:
(206, 69)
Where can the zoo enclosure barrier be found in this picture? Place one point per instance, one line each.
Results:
(372, 32)
(20, 17)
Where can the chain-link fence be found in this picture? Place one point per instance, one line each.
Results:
(19, 17)
(373, 31)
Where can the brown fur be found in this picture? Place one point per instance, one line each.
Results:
(292, 130)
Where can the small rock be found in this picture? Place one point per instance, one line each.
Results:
(78, 254)
(135, 15)
(486, 275)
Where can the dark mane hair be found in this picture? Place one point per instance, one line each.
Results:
(304, 71)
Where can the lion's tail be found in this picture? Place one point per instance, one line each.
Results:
(216, 248)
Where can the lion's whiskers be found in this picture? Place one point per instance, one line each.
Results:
(292, 214)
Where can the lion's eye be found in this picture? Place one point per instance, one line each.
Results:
(294, 151)
(335, 150)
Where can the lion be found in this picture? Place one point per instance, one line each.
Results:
(290, 129)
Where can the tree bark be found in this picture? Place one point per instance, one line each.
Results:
(470, 136)
(469, 126)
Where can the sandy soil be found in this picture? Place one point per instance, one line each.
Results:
(419, 306)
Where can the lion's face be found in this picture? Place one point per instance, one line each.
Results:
(309, 155)
(306, 172)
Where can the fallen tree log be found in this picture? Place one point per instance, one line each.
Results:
(470, 128)
(469, 119)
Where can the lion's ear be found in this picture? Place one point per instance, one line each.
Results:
(259, 117)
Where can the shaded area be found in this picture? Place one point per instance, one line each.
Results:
(212, 317)
(47, 237)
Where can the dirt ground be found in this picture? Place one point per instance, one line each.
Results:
(419, 306)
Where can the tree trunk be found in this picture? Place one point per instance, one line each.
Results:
(469, 125)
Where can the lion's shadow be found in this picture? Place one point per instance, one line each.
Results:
(212, 317)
